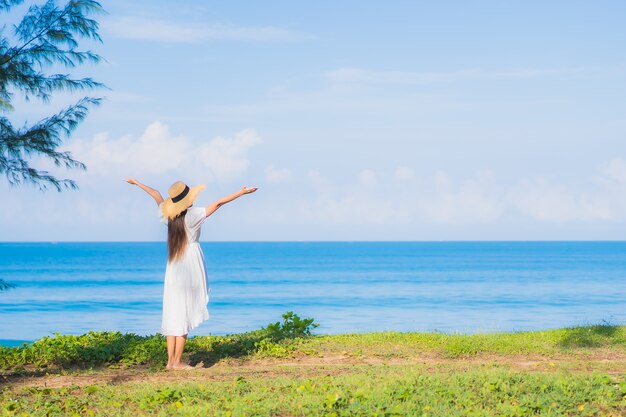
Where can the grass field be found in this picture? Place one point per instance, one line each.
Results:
(282, 370)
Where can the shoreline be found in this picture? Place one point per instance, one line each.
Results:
(13, 343)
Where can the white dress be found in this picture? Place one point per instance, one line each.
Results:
(185, 292)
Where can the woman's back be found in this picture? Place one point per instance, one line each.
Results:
(194, 218)
(193, 223)
(185, 294)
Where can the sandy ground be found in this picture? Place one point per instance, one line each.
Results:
(309, 366)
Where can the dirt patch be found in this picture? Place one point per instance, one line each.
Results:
(309, 366)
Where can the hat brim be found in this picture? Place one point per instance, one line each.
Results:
(171, 209)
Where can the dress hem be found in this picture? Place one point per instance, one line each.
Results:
(188, 328)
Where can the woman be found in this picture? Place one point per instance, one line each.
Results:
(185, 293)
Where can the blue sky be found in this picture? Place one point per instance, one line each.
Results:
(415, 120)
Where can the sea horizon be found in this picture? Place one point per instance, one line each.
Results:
(328, 241)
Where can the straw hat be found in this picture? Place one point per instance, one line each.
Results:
(181, 198)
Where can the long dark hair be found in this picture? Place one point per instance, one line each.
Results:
(176, 237)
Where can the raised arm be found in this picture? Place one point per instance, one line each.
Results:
(210, 209)
(153, 193)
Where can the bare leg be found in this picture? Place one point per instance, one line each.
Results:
(171, 348)
(178, 353)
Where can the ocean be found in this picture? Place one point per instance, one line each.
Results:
(347, 287)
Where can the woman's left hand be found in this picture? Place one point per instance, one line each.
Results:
(248, 190)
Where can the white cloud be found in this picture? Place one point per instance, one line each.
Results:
(473, 200)
(403, 173)
(368, 178)
(273, 174)
(227, 157)
(477, 199)
(371, 202)
(544, 201)
(374, 200)
(157, 151)
(616, 170)
(344, 206)
(366, 76)
(320, 184)
(316, 178)
(144, 29)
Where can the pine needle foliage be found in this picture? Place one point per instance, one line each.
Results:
(46, 38)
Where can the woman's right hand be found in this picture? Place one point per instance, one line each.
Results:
(248, 190)
(132, 181)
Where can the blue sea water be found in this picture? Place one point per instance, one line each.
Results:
(465, 287)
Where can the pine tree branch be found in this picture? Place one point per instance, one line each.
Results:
(7, 4)
(49, 36)
(19, 50)
(89, 31)
(41, 139)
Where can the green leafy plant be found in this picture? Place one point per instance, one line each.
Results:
(291, 327)
(281, 338)
(267, 348)
(160, 397)
(93, 348)
(115, 348)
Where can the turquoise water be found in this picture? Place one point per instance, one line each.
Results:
(347, 287)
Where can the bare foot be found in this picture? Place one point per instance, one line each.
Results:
(168, 367)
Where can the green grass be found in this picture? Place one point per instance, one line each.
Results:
(395, 384)
(548, 342)
(110, 348)
(364, 391)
